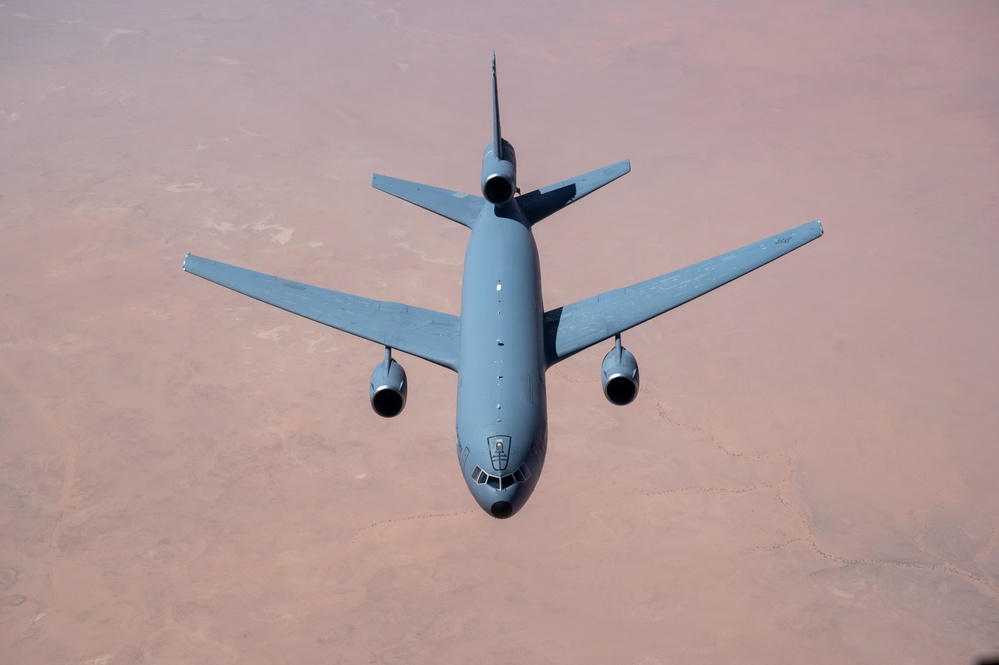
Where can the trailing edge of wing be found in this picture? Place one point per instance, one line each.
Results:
(575, 327)
(458, 207)
(424, 333)
(541, 203)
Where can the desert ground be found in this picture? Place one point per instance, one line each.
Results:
(809, 474)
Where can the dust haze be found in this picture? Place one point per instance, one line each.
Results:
(808, 475)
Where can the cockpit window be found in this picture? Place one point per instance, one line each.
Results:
(501, 482)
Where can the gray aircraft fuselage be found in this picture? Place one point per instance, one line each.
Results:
(501, 378)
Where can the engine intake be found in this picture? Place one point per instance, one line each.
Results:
(499, 173)
(619, 375)
(388, 387)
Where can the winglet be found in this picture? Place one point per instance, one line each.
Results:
(497, 137)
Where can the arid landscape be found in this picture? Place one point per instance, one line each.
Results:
(809, 474)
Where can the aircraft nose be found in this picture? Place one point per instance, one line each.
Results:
(501, 510)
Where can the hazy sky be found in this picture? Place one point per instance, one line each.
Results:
(190, 476)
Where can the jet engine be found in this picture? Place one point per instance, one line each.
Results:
(619, 375)
(499, 173)
(388, 387)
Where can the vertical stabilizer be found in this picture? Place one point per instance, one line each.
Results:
(497, 137)
(499, 163)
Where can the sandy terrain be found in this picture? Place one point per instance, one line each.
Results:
(809, 474)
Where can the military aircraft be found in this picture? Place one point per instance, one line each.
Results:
(504, 340)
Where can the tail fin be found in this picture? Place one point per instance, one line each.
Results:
(499, 163)
(497, 137)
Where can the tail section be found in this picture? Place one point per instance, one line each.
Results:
(497, 134)
(540, 203)
(499, 183)
(499, 163)
(456, 206)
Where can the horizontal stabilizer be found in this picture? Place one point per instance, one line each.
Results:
(420, 332)
(540, 203)
(570, 329)
(458, 207)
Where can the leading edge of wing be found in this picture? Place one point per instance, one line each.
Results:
(424, 333)
(572, 328)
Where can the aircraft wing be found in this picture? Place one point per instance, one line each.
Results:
(458, 207)
(543, 202)
(420, 332)
(570, 329)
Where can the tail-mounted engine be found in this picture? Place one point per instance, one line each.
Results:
(619, 375)
(499, 164)
(388, 387)
(499, 173)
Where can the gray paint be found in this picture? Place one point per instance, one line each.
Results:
(504, 340)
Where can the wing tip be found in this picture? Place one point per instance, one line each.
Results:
(623, 167)
(190, 263)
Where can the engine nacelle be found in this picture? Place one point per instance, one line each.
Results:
(499, 173)
(388, 387)
(619, 375)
